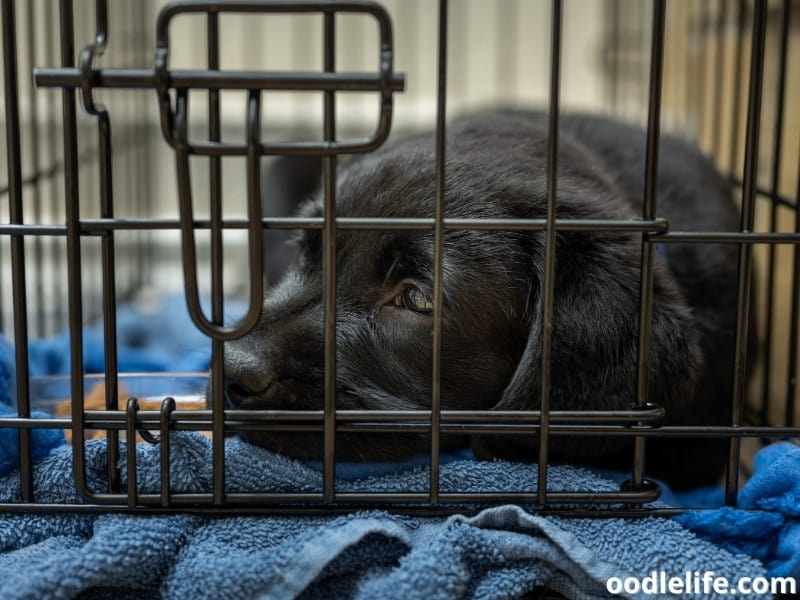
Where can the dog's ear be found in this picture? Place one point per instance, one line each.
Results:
(596, 332)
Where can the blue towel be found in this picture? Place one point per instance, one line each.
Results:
(8, 374)
(42, 440)
(501, 552)
(772, 532)
(151, 337)
(157, 336)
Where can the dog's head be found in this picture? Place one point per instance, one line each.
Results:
(492, 298)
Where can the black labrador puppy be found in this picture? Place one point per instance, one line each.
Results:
(492, 305)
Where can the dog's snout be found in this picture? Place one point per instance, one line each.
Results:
(234, 389)
(246, 375)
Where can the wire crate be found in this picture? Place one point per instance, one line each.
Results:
(137, 137)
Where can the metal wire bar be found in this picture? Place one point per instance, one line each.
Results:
(36, 192)
(719, 56)
(745, 251)
(18, 279)
(217, 308)
(167, 408)
(329, 264)
(328, 510)
(482, 423)
(737, 87)
(438, 250)
(52, 56)
(131, 497)
(548, 285)
(718, 237)
(794, 327)
(98, 226)
(185, 79)
(72, 214)
(610, 504)
(106, 195)
(648, 212)
(777, 144)
(255, 232)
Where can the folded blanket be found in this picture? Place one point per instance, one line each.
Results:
(501, 552)
(771, 534)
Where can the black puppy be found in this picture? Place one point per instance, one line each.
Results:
(492, 287)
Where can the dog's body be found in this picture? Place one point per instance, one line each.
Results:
(492, 286)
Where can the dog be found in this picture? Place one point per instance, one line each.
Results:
(492, 297)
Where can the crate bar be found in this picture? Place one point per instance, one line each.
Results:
(329, 263)
(746, 251)
(728, 237)
(612, 55)
(167, 407)
(649, 195)
(18, 280)
(207, 148)
(302, 502)
(59, 321)
(438, 251)
(718, 60)
(72, 216)
(777, 138)
(148, 418)
(700, 87)
(96, 226)
(186, 209)
(35, 162)
(548, 292)
(131, 419)
(573, 426)
(185, 79)
(217, 308)
(108, 262)
(737, 86)
(267, 6)
(794, 330)
(339, 509)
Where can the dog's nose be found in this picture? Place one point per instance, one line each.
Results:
(245, 389)
(235, 389)
(247, 375)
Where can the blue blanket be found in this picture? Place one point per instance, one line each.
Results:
(767, 523)
(499, 553)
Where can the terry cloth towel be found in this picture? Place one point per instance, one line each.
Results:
(501, 552)
(772, 532)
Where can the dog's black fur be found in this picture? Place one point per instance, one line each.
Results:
(496, 165)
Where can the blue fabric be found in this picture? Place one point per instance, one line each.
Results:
(772, 534)
(42, 440)
(8, 374)
(499, 553)
(154, 337)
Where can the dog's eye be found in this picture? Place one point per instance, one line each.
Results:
(414, 299)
